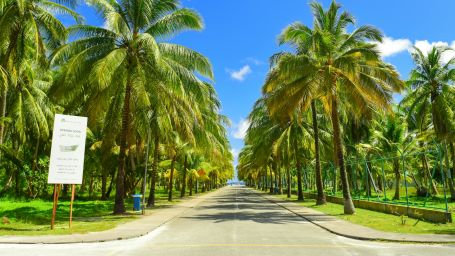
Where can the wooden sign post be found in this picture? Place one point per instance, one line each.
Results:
(66, 164)
(54, 208)
(73, 189)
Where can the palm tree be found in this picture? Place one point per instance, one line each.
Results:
(30, 113)
(432, 92)
(125, 63)
(332, 64)
(294, 138)
(389, 137)
(421, 125)
(174, 147)
(29, 32)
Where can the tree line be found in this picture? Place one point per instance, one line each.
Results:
(148, 101)
(331, 99)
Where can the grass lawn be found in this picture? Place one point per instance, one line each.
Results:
(378, 220)
(33, 217)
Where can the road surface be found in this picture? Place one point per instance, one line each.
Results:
(234, 221)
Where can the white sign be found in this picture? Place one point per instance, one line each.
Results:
(67, 152)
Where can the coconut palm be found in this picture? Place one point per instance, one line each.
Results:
(30, 113)
(295, 136)
(389, 137)
(421, 125)
(127, 60)
(29, 32)
(337, 66)
(276, 79)
(432, 93)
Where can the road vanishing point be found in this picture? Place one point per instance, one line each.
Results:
(233, 221)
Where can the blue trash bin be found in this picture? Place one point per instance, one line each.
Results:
(137, 202)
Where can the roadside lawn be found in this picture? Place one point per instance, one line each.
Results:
(33, 217)
(378, 220)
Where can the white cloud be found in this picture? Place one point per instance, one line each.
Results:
(240, 129)
(241, 74)
(425, 46)
(390, 46)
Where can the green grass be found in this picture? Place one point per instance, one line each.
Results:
(33, 217)
(379, 221)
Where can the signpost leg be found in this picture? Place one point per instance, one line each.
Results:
(54, 209)
(73, 189)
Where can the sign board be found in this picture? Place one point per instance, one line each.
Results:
(67, 152)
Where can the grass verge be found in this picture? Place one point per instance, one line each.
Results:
(378, 220)
(33, 217)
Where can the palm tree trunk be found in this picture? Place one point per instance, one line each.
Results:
(369, 179)
(264, 188)
(299, 173)
(428, 174)
(348, 204)
(396, 171)
(379, 181)
(276, 178)
(103, 185)
(452, 149)
(288, 174)
(119, 206)
(320, 199)
(280, 181)
(4, 95)
(299, 182)
(34, 167)
(449, 175)
(17, 191)
(271, 179)
(111, 184)
(190, 185)
(156, 157)
(3, 113)
(171, 177)
(182, 191)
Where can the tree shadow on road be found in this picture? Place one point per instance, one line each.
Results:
(265, 217)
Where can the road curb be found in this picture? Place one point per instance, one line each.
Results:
(356, 237)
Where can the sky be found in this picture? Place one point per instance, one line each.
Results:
(240, 36)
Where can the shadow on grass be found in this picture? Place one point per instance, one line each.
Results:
(445, 232)
(4, 228)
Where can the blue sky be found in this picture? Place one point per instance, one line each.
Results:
(240, 36)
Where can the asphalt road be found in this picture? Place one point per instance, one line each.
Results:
(234, 221)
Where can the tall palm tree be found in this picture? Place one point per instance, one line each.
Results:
(432, 93)
(276, 79)
(127, 60)
(333, 64)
